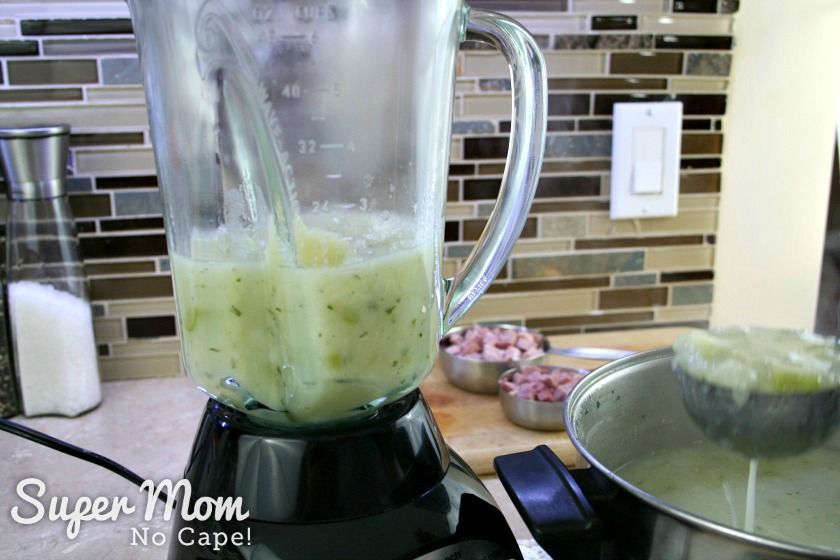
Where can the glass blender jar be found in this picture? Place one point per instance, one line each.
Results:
(302, 150)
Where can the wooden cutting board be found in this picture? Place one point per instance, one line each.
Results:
(475, 426)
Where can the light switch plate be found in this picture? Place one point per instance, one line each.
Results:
(644, 181)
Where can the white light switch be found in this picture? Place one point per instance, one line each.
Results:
(645, 160)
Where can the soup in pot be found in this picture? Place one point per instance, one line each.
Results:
(797, 499)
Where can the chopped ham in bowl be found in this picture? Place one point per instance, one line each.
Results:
(541, 383)
(534, 396)
(474, 357)
(494, 344)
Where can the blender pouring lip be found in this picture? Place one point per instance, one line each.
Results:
(271, 161)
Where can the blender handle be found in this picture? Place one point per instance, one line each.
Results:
(524, 159)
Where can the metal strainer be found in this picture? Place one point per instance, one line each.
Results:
(781, 421)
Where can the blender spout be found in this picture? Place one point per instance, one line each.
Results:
(249, 134)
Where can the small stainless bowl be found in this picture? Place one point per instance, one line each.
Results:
(532, 414)
(481, 376)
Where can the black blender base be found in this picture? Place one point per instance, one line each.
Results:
(388, 488)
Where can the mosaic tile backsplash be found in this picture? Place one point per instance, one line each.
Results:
(573, 270)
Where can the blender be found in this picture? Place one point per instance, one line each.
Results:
(302, 150)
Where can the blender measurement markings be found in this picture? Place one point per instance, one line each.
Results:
(325, 11)
(335, 89)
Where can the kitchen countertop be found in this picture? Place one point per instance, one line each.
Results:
(475, 425)
(148, 426)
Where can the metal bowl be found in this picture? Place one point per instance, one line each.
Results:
(481, 376)
(532, 414)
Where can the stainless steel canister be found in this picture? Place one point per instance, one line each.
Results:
(50, 316)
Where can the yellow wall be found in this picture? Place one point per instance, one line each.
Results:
(777, 160)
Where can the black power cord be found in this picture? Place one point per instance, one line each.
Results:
(74, 451)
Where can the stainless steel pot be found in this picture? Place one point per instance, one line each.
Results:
(622, 411)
